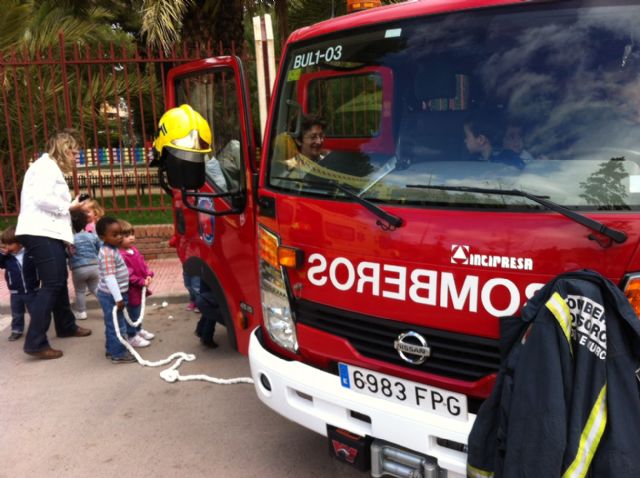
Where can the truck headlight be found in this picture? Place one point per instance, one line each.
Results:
(276, 308)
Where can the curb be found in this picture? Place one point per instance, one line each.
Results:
(92, 302)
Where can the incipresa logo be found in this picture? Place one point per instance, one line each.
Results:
(462, 255)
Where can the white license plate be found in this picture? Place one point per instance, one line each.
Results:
(416, 395)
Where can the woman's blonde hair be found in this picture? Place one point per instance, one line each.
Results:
(58, 148)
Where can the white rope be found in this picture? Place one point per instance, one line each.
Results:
(170, 374)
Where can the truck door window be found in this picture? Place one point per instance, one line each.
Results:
(350, 104)
(542, 98)
(214, 95)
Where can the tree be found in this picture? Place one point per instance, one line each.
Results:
(605, 187)
(35, 25)
(200, 22)
(32, 30)
(162, 22)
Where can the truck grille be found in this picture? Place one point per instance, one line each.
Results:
(458, 356)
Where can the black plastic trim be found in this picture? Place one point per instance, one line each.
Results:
(267, 206)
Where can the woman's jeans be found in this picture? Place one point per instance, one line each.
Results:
(113, 345)
(49, 256)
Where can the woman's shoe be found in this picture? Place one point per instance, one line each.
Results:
(46, 354)
(81, 332)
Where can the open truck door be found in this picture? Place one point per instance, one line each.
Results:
(213, 201)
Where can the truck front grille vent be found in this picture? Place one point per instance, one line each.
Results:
(453, 355)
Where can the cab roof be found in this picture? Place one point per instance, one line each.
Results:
(389, 13)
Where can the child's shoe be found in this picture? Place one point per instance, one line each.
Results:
(191, 307)
(209, 343)
(124, 358)
(81, 315)
(138, 342)
(145, 334)
(15, 336)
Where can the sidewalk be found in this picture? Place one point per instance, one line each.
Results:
(167, 282)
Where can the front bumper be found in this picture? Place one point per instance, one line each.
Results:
(314, 398)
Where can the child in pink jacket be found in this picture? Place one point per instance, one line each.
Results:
(139, 276)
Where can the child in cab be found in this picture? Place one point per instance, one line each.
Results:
(22, 279)
(112, 288)
(139, 276)
(83, 262)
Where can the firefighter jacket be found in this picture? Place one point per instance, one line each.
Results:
(567, 400)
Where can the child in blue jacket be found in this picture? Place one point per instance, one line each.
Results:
(22, 279)
(83, 262)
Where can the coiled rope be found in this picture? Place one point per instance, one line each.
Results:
(170, 374)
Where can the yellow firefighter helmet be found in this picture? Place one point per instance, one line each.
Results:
(183, 129)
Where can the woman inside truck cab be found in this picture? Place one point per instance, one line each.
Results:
(310, 142)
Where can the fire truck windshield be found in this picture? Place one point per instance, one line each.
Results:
(542, 98)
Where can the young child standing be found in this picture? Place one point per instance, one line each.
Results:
(192, 284)
(83, 262)
(94, 213)
(112, 287)
(139, 276)
(22, 279)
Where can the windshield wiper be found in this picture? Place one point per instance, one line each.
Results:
(393, 222)
(614, 234)
(383, 172)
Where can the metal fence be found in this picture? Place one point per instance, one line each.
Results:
(113, 95)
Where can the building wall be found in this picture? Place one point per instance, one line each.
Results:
(153, 241)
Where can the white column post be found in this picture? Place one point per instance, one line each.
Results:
(271, 55)
(262, 97)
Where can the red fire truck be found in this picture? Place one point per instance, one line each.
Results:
(471, 151)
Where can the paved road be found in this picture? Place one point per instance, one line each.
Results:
(83, 416)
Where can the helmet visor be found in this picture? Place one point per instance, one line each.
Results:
(192, 141)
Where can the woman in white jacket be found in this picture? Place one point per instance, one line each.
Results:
(44, 228)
